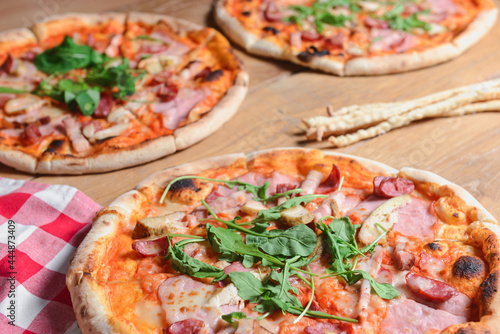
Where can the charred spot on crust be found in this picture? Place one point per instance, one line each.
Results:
(307, 56)
(184, 184)
(56, 144)
(272, 30)
(245, 13)
(213, 76)
(435, 246)
(489, 287)
(468, 267)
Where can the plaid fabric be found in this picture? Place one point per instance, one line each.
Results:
(46, 223)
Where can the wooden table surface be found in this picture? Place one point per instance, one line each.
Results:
(465, 150)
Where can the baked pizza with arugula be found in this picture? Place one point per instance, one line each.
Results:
(83, 93)
(289, 241)
(357, 37)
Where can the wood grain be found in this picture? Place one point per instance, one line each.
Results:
(465, 150)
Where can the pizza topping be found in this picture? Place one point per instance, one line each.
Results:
(78, 141)
(429, 289)
(159, 226)
(382, 218)
(415, 318)
(331, 183)
(272, 12)
(392, 186)
(296, 215)
(177, 110)
(416, 220)
(31, 135)
(105, 105)
(24, 103)
(311, 183)
(188, 326)
(152, 247)
(404, 260)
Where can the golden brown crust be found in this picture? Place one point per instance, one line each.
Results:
(89, 299)
(17, 159)
(62, 23)
(14, 39)
(116, 159)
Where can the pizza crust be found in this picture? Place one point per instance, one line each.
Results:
(94, 315)
(90, 304)
(15, 38)
(476, 29)
(121, 158)
(59, 24)
(17, 159)
(393, 63)
(180, 26)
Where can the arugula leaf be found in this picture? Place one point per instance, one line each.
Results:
(84, 92)
(224, 241)
(12, 90)
(258, 191)
(384, 290)
(235, 315)
(67, 56)
(88, 100)
(249, 287)
(275, 293)
(113, 77)
(320, 11)
(297, 240)
(187, 265)
(398, 22)
(274, 213)
(341, 238)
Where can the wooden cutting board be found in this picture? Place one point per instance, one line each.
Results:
(464, 150)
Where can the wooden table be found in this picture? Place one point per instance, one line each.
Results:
(465, 150)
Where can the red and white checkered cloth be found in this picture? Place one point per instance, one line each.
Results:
(46, 223)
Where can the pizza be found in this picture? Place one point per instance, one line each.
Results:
(350, 37)
(83, 93)
(289, 241)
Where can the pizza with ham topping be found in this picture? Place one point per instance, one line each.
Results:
(289, 241)
(84, 93)
(352, 37)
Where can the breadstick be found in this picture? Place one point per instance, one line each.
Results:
(404, 119)
(324, 126)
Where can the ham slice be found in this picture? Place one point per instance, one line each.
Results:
(78, 141)
(232, 202)
(409, 317)
(170, 48)
(177, 110)
(311, 183)
(276, 179)
(182, 298)
(387, 39)
(363, 209)
(416, 220)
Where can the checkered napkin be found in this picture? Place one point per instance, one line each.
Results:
(45, 223)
